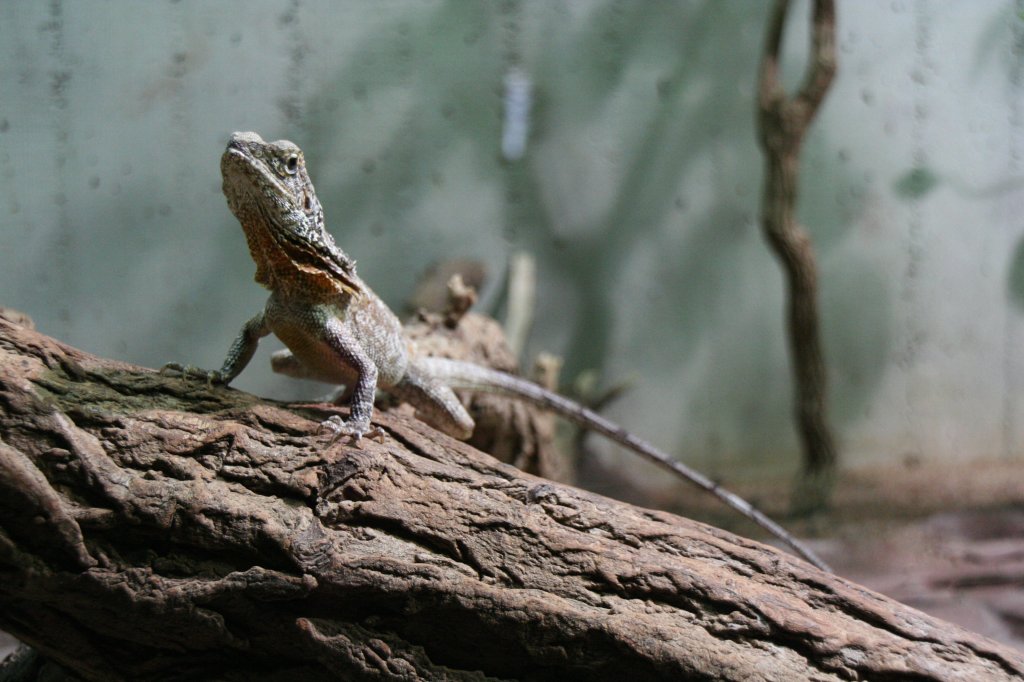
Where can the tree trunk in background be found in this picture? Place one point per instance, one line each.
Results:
(783, 122)
(156, 528)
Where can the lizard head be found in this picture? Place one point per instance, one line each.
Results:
(269, 191)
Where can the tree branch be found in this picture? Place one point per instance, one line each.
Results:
(782, 125)
(155, 528)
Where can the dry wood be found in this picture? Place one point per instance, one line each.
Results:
(782, 125)
(154, 528)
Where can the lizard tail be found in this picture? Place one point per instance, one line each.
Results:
(470, 377)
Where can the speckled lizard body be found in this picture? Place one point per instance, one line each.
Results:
(338, 330)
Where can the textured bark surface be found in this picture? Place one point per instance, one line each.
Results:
(153, 528)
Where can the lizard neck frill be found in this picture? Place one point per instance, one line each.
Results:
(287, 265)
(261, 248)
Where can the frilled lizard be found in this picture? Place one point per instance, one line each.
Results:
(337, 330)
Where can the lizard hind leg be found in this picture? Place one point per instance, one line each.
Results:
(284, 362)
(435, 403)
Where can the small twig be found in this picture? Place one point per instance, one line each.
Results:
(522, 296)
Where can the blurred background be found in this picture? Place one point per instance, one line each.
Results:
(615, 141)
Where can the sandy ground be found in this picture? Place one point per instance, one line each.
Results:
(964, 566)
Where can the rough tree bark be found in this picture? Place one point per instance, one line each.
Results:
(782, 124)
(155, 528)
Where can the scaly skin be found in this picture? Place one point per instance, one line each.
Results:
(335, 327)
(337, 330)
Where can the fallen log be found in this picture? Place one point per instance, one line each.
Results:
(156, 528)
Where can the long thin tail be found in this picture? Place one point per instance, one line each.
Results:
(467, 376)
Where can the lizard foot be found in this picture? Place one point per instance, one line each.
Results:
(211, 377)
(352, 429)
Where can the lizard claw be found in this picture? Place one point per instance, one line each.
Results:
(352, 429)
(211, 377)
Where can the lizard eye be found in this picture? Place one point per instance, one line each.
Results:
(292, 164)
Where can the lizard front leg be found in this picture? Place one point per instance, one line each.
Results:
(351, 353)
(239, 354)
